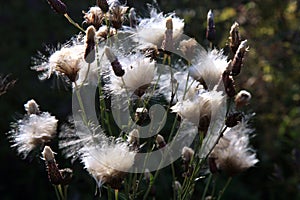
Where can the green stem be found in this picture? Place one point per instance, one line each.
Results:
(56, 192)
(206, 186)
(116, 194)
(224, 188)
(74, 23)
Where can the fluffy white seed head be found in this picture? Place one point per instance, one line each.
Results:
(32, 131)
(210, 67)
(152, 30)
(232, 154)
(108, 163)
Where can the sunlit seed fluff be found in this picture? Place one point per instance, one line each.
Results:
(188, 47)
(232, 154)
(64, 62)
(139, 74)
(152, 30)
(32, 131)
(108, 163)
(209, 67)
(242, 98)
(203, 105)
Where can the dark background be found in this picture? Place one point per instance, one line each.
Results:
(271, 73)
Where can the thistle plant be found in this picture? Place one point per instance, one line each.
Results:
(146, 99)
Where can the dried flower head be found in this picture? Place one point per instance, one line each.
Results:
(94, 17)
(210, 30)
(108, 163)
(209, 68)
(65, 62)
(232, 154)
(89, 55)
(32, 131)
(242, 98)
(116, 16)
(58, 6)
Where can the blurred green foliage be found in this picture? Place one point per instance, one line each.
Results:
(271, 73)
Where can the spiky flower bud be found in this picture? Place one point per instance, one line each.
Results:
(210, 30)
(56, 176)
(134, 139)
(58, 6)
(89, 54)
(32, 107)
(160, 141)
(116, 65)
(237, 62)
(234, 37)
(132, 18)
(48, 154)
(103, 5)
(187, 154)
(228, 83)
(242, 98)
